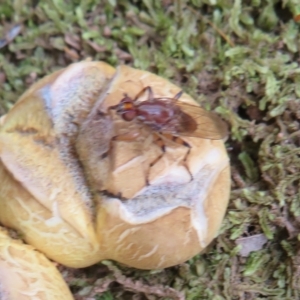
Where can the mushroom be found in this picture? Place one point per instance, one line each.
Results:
(78, 195)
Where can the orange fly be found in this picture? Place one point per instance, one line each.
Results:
(170, 118)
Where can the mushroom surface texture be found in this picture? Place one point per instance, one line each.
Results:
(81, 184)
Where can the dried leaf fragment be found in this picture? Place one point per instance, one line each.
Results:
(251, 243)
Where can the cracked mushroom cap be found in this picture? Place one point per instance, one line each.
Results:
(171, 219)
(26, 274)
(79, 196)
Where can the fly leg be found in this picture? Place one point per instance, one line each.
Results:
(178, 95)
(131, 136)
(145, 89)
(178, 140)
(160, 143)
(151, 95)
(125, 137)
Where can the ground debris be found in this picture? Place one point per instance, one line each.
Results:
(251, 243)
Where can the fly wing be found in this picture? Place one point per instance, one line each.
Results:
(206, 124)
(191, 120)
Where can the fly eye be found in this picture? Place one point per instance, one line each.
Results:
(129, 115)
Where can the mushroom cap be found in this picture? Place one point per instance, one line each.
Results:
(79, 206)
(174, 217)
(44, 194)
(27, 274)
